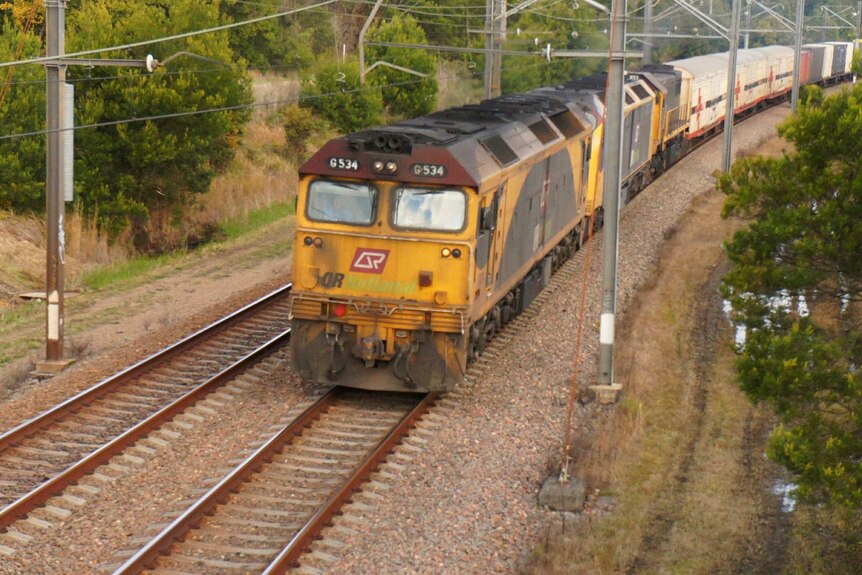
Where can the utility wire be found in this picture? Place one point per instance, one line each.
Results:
(238, 107)
(235, 108)
(167, 38)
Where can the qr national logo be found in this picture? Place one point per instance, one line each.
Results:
(369, 261)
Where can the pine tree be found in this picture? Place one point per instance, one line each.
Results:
(804, 243)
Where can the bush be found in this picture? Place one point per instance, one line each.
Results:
(334, 93)
(404, 94)
(299, 125)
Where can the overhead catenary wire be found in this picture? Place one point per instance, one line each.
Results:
(238, 107)
(44, 59)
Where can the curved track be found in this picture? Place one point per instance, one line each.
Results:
(44, 455)
(263, 516)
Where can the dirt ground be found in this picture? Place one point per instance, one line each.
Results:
(677, 471)
(114, 327)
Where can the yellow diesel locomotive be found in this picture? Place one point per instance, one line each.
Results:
(417, 241)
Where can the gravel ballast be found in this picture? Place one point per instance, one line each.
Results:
(461, 497)
(468, 501)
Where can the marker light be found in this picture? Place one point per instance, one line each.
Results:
(391, 167)
(339, 310)
(445, 252)
(318, 242)
(456, 253)
(307, 240)
(377, 166)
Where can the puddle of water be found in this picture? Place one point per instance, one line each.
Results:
(739, 333)
(782, 300)
(787, 493)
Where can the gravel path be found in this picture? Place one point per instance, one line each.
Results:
(467, 502)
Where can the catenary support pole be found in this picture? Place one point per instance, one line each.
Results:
(361, 42)
(747, 22)
(648, 35)
(856, 41)
(495, 22)
(732, 87)
(797, 54)
(54, 276)
(611, 193)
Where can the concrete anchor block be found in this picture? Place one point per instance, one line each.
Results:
(604, 394)
(568, 496)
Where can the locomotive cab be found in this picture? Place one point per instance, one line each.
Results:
(381, 269)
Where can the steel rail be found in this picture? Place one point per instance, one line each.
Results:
(38, 496)
(289, 556)
(33, 425)
(147, 556)
(161, 543)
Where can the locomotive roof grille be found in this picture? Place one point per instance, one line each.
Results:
(500, 150)
(543, 131)
(567, 123)
(640, 91)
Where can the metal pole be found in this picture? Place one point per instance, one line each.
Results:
(747, 22)
(797, 55)
(611, 191)
(648, 38)
(499, 35)
(362, 41)
(495, 18)
(489, 47)
(731, 86)
(55, 82)
(856, 42)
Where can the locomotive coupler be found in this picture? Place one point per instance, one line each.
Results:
(368, 349)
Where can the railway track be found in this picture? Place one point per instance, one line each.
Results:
(43, 456)
(264, 514)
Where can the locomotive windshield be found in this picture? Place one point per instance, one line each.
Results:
(341, 202)
(429, 209)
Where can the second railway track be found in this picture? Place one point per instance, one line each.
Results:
(42, 456)
(265, 513)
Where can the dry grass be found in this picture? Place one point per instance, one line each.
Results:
(826, 541)
(673, 452)
(457, 85)
(258, 177)
(268, 88)
(22, 253)
(86, 244)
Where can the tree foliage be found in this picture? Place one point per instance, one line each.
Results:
(563, 29)
(805, 241)
(285, 43)
(404, 94)
(124, 171)
(22, 110)
(334, 93)
(299, 126)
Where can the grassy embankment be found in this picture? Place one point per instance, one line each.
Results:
(682, 456)
(249, 204)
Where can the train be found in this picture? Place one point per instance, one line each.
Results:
(415, 243)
